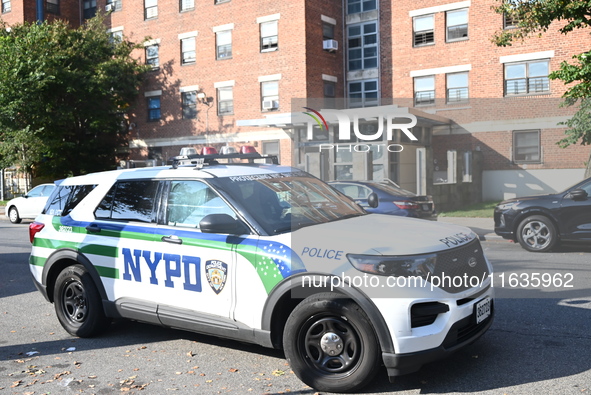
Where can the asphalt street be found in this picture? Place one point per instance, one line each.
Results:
(538, 344)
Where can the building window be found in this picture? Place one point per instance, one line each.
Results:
(330, 89)
(363, 46)
(220, 1)
(154, 108)
(189, 104)
(526, 146)
(188, 50)
(52, 7)
(268, 36)
(89, 9)
(115, 5)
(270, 95)
(116, 36)
(152, 56)
(355, 6)
(226, 100)
(363, 93)
(223, 44)
(6, 6)
(424, 90)
(509, 21)
(327, 31)
(150, 9)
(457, 25)
(423, 30)
(457, 87)
(527, 78)
(187, 5)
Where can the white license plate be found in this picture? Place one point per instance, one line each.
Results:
(425, 207)
(482, 310)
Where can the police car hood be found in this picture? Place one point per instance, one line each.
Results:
(383, 234)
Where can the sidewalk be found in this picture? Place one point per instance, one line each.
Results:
(483, 227)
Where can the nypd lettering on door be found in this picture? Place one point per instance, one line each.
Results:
(176, 266)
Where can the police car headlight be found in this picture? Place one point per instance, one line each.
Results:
(400, 266)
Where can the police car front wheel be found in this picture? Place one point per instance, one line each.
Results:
(78, 304)
(330, 344)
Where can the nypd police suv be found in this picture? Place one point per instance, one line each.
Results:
(261, 253)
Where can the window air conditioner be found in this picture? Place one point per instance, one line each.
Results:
(270, 104)
(330, 45)
(109, 7)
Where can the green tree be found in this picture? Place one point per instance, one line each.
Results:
(64, 94)
(534, 17)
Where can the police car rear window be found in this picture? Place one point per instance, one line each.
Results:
(129, 201)
(65, 198)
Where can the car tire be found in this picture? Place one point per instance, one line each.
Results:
(77, 302)
(13, 215)
(330, 344)
(537, 234)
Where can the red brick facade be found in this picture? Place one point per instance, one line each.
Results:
(487, 101)
(301, 66)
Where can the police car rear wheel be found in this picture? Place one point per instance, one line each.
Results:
(330, 344)
(78, 304)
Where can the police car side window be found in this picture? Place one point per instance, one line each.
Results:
(65, 198)
(190, 201)
(129, 201)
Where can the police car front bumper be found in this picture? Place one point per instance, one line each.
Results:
(461, 334)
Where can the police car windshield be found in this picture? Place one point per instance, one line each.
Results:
(283, 202)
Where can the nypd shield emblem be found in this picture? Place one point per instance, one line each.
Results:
(216, 273)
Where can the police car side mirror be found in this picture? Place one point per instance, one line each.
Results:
(578, 194)
(222, 223)
(372, 200)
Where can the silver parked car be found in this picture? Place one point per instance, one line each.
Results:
(30, 204)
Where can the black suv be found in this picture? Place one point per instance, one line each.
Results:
(538, 223)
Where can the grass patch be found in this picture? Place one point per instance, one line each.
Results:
(3, 202)
(478, 210)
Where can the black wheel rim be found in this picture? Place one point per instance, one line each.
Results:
(331, 345)
(74, 302)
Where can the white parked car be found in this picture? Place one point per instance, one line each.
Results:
(266, 254)
(29, 205)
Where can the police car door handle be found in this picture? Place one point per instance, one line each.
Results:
(93, 228)
(172, 239)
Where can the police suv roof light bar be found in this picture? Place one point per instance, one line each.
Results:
(201, 160)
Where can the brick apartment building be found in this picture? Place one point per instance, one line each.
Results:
(231, 72)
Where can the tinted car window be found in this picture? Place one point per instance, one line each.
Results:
(190, 201)
(129, 201)
(65, 198)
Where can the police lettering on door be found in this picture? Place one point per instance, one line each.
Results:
(184, 267)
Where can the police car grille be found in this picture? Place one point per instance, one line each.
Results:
(464, 262)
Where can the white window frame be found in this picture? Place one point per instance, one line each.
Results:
(360, 6)
(537, 147)
(223, 46)
(532, 85)
(150, 9)
(419, 93)
(459, 93)
(362, 48)
(425, 36)
(186, 50)
(364, 100)
(186, 5)
(457, 29)
(228, 103)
